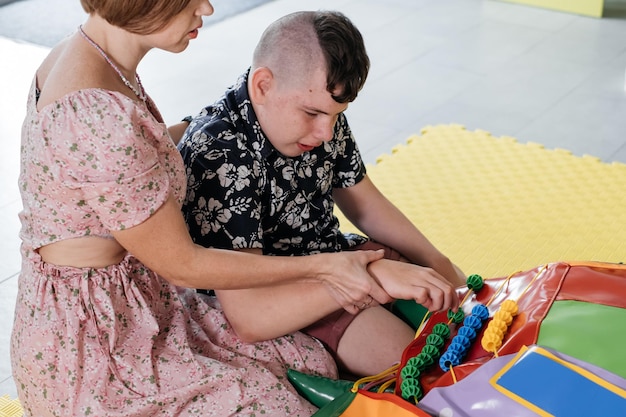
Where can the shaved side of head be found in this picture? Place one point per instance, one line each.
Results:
(300, 43)
(290, 49)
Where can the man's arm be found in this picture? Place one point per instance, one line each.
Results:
(369, 210)
(176, 131)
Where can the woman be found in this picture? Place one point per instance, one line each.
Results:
(104, 323)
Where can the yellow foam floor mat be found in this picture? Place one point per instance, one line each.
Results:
(10, 407)
(496, 206)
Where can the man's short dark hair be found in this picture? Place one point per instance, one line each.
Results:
(342, 45)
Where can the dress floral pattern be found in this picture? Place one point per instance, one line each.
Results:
(242, 193)
(120, 340)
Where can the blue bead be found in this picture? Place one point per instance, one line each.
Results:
(461, 340)
(457, 349)
(481, 311)
(449, 359)
(467, 332)
(473, 322)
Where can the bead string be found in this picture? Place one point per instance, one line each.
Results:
(533, 280)
(502, 319)
(501, 287)
(390, 372)
(410, 387)
(466, 334)
(141, 94)
(421, 325)
(460, 344)
(386, 385)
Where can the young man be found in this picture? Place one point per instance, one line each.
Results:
(267, 162)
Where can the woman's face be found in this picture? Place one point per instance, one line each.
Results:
(182, 28)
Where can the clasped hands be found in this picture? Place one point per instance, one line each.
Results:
(380, 281)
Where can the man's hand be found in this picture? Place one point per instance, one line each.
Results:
(407, 281)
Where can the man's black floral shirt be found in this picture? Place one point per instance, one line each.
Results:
(242, 193)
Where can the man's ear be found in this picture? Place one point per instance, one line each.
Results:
(260, 83)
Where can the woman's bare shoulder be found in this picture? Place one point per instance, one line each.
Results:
(68, 67)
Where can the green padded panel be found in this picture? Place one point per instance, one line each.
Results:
(590, 332)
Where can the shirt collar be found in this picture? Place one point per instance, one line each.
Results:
(249, 120)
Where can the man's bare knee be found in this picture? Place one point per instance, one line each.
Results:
(373, 342)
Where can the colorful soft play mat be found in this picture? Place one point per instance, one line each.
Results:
(496, 206)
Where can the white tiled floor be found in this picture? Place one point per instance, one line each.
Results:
(537, 75)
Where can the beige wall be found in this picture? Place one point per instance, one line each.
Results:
(584, 7)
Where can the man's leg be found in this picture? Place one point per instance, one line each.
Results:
(373, 342)
(369, 342)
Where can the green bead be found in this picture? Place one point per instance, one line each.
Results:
(435, 341)
(424, 360)
(456, 317)
(411, 389)
(419, 395)
(432, 351)
(410, 371)
(442, 330)
(474, 282)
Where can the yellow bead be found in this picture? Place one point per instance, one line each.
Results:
(505, 316)
(510, 306)
(499, 324)
(495, 331)
(491, 342)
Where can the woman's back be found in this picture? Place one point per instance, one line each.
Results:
(67, 77)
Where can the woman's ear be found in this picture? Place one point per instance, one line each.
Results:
(260, 83)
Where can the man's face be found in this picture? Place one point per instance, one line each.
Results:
(300, 117)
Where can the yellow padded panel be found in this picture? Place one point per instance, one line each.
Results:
(496, 206)
(592, 8)
(9, 407)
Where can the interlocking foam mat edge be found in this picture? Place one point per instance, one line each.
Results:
(10, 407)
(496, 206)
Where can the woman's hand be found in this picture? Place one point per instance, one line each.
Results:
(407, 281)
(348, 280)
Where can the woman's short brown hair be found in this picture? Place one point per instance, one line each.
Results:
(137, 16)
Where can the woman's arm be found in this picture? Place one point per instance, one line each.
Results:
(290, 307)
(163, 244)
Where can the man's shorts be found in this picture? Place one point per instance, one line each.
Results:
(331, 328)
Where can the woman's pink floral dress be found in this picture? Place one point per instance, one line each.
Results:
(120, 340)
